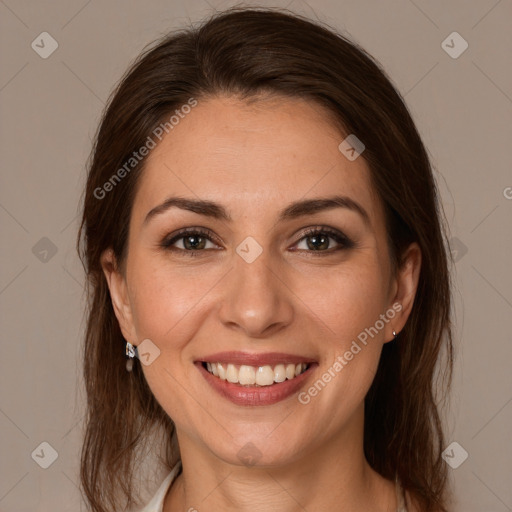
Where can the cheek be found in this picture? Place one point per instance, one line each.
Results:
(165, 306)
(162, 300)
(350, 303)
(347, 299)
(356, 300)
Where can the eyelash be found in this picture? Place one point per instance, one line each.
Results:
(340, 238)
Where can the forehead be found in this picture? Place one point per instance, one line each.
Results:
(266, 153)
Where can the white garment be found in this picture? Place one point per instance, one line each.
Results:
(157, 502)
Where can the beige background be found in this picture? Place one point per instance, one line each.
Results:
(49, 112)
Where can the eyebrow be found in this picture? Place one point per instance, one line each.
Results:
(292, 211)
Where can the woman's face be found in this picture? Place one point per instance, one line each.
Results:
(258, 292)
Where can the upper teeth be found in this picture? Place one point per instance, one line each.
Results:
(256, 375)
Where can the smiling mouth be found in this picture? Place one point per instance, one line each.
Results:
(255, 376)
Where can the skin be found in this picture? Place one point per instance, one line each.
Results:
(255, 159)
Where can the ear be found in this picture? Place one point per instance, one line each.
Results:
(405, 285)
(119, 295)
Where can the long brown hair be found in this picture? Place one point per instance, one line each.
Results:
(245, 52)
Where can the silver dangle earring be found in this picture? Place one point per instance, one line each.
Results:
(394, 334)
(130, 354)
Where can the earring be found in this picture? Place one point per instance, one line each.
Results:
(130, 354)
(394, 334)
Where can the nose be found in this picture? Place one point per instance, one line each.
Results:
(256, 299)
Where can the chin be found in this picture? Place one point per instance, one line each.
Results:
(259, 451)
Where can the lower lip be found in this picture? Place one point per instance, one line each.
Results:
(253, 395)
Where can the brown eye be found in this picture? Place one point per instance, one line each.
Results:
(189, 241)
(319, 240)
(193, 242)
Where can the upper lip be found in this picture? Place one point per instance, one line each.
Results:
(251, 359)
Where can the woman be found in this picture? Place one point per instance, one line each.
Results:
(261, 228)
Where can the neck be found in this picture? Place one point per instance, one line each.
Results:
(332, 476)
